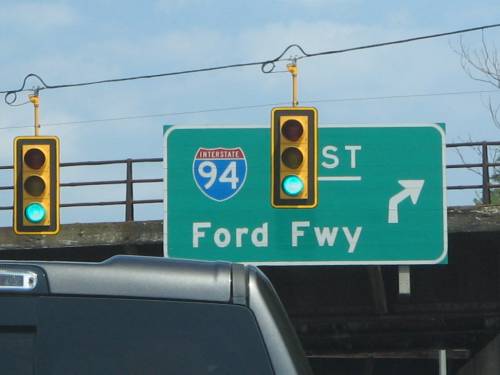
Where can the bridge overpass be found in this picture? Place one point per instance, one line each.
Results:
(351, 319)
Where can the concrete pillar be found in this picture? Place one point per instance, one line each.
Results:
(486, 362)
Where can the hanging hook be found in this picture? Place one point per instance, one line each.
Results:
(35, 99)
(269, 65)
(294, 70)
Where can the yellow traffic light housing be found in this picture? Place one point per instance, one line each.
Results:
(294, 161)
(36, 185)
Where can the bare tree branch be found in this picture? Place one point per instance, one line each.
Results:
(486, 55)
(483, 65)
(474, 61)
(462, 157)
(493, 110)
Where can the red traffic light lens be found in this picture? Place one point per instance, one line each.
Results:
(292, 157)
(34, 185)
(292, 130)
(34, 158)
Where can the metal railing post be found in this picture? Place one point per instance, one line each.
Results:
(129, 193)
(442, 362)
(486, 174)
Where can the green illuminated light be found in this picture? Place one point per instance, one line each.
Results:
(292, 185)
(35, 213)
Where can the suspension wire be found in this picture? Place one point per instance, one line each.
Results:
(254, 106)
(267, 66)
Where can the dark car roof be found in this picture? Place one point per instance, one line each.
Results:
(167, 279)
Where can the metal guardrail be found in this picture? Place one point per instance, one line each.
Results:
(485, 165)
(486, 186)
(129, 182)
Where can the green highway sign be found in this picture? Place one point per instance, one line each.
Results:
(381, 197)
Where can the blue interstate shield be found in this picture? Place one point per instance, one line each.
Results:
(220, 172)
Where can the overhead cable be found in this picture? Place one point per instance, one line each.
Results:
(267, 66)
(245, 107)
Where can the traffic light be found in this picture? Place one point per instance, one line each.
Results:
(36, 185)
(294, 161)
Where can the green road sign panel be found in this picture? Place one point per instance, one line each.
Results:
(381, 197)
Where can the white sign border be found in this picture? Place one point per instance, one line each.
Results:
(168, 129)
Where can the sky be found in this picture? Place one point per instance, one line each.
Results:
(75, 41)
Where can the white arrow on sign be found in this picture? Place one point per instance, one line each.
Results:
(412, 189)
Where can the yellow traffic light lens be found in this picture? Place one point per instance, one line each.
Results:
(34, 158)
(35, 213)
(292, 185)
(292, 157)
(292, 130)
(34, 185)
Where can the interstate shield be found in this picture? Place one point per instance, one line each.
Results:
(219, 173)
